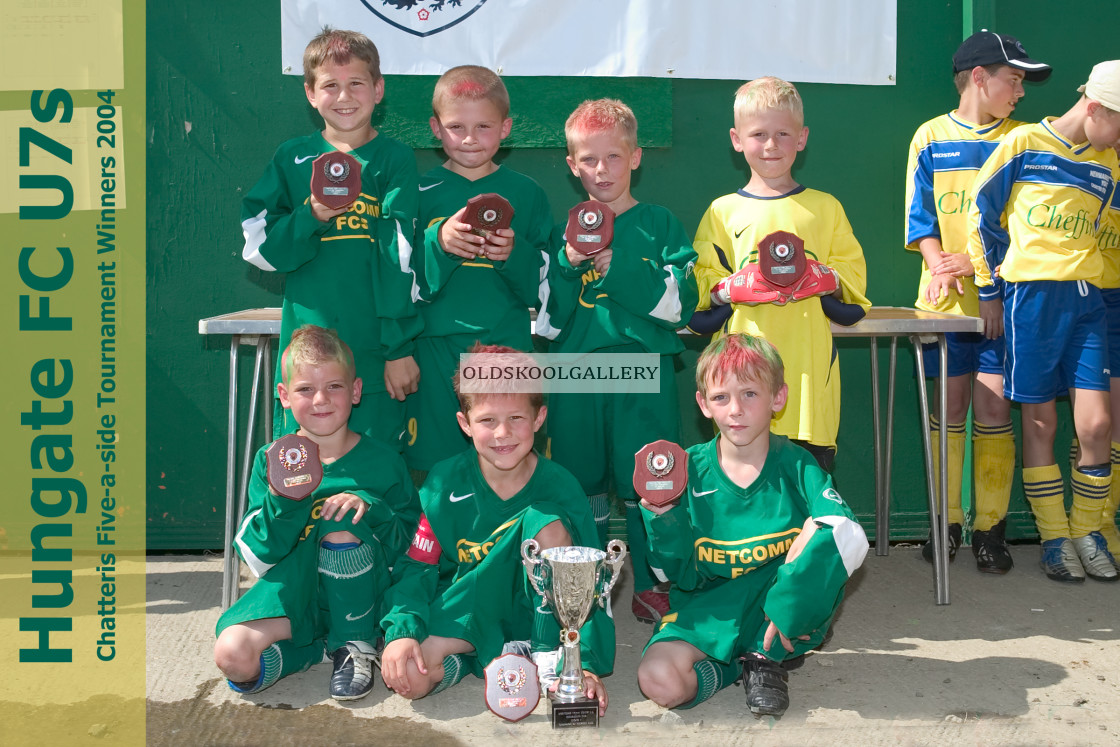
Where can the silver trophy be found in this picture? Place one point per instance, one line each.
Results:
(572, 580)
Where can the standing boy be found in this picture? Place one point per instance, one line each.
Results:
(736, 230)
(945, 154)
(1036, 210)
(322, 562)
(1108, 242)
(477, 288)
(461, 593)
(759, 547)
(348, 268)
(623, 300)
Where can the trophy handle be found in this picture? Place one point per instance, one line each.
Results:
(616, 554)
(531, 558)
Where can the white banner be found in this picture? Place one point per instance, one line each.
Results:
(805, 41)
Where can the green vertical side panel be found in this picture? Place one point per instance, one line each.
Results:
(73, 518)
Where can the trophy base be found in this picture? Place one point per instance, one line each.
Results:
(566, 714)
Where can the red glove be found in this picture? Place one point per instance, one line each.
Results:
(818, 280)
(747, 286)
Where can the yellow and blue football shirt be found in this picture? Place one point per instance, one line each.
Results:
(945, 154)
(1037, 207)
(1108, 242)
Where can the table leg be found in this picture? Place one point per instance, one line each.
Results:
(943, 525)
(882, 496)
(230, 570)
(250, 452)
(267, 389)
(251, 429)
(889, 450)
(935, 520)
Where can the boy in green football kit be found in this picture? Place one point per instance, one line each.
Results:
(346, 269)
(623, 300)
(456, 268)
(758, 548)
(461, 592)
(945, 154)
(321, 562)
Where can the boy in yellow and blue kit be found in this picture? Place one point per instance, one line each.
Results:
(347, 269)
(1108, 242)
(1037, 207)
(770, 130)
(945, 154)
(628, 299)
(473, 288)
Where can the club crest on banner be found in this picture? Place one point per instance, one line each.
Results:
(423, 17)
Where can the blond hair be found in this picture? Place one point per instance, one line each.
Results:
(768, 94)
(602, 115)
(313, 346)
(338, 46)
(470, 83)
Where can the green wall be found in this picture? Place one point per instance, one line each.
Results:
(218, 107)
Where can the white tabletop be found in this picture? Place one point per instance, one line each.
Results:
(890, 321)
(247, 322)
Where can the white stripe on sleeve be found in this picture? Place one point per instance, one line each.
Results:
(543, 325)
(254, 231)
(851, 541)
(256, 565)
(668, 307)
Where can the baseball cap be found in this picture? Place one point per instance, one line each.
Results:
(1104, 84)
(989, 48)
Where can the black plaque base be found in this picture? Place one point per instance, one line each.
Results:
(583, 712)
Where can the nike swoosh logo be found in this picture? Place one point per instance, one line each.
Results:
(740, 231)
(706, 492)
(299, 159)
(350, 618)
(456, 498)
(430, 186)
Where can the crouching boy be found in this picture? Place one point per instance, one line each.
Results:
(321, 562)
(461, 593)
(759, 547)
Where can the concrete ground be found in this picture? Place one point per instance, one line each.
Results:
(1013, 660)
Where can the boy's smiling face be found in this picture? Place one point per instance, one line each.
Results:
(471, 133)
(741, 407)
(320, 397)
(345, 96)
(502, 427)
(770, 140)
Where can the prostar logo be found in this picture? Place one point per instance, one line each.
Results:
(423, 17)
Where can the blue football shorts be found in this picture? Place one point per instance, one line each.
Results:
(1056, 336)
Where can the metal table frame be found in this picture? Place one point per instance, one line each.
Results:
(921, 327)
(254, 327)
(257, 327)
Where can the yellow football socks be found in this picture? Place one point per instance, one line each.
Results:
(993, 468)
(1089, 496)
(1108, 513)
(1045, 489)
(955, 467)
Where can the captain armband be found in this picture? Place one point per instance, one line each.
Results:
(425, 547)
